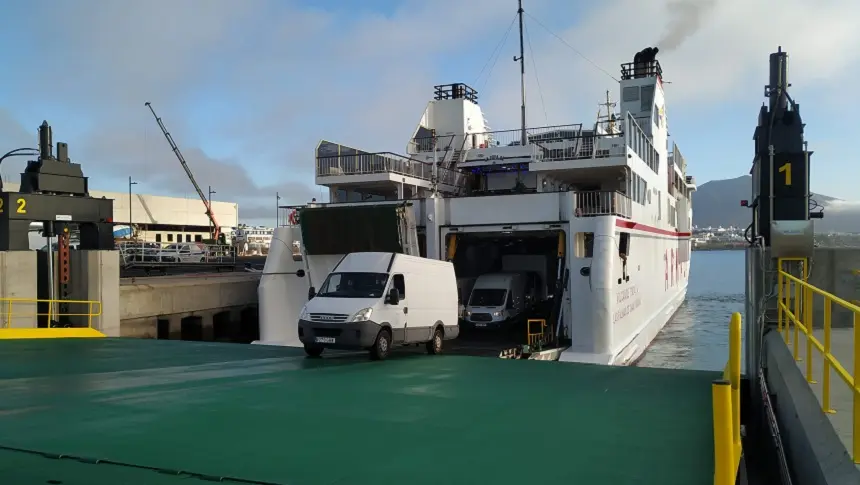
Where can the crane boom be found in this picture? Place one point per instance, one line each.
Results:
(216, 229)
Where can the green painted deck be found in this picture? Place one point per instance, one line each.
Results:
(263, 414)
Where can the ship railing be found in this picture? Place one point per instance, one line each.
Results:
(63, 318)
(385, 162)
(726, 396)
(509, 138)
(631, 70)
(795, 316)
(172, 253)
(602, 203)
(640, 142)
(587, 146)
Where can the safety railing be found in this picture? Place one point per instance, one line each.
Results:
(385, 162)
(593, 203)
(536, 333)
(726, 395)
(55, 310)
(796, 298)
(166, 254)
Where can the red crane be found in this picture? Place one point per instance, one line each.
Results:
(217, 236)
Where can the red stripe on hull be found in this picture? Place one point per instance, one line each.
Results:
(646, 228)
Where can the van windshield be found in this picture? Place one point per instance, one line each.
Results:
(488, 297)
(354, 285)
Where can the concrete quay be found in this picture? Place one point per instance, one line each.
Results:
(203, 306)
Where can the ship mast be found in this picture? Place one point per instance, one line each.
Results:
(521, 60)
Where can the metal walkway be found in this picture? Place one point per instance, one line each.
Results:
(827, 356)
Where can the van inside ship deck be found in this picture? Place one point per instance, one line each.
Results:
(481, 252)
(99, 411)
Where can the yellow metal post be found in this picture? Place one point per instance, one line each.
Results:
(721, 392)
(735, 369)
(796, 319)
(779, 282)
(807, 322)
(856, 390)
(825, 383)
(787, 295)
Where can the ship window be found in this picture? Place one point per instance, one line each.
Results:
(170, 238)
(624, 244)
(198, 238)
(584, 245)
(158, 237)
(631, 93)
(188, 238)
(647, 97)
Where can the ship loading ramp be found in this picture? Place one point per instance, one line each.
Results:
(534, 253)
(174, 412)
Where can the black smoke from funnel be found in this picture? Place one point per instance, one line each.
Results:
(685, 18)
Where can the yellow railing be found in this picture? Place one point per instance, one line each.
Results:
(535, 337)
(726, 394)
(792, 322)
(11, 310)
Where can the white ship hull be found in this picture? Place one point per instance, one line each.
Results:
(607, 322)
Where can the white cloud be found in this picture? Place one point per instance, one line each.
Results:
(277, 77)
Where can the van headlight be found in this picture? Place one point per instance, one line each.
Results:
(497, 314)
(362, 315)
(304, 315)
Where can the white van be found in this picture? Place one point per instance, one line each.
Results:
(497, 298)
(376, 300)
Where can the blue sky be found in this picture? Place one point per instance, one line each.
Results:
(247, 88)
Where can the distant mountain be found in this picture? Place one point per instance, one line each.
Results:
(718, 203)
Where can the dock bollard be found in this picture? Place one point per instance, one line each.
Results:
(724, 473)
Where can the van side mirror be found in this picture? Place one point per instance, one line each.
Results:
(393, 297)
(300, 273)
(312, 292)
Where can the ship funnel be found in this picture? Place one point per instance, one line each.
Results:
(643, 61)
(778, 85)
(45, 141)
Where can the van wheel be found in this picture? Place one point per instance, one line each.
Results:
(435, 346)
(313, 351)
(382, 346)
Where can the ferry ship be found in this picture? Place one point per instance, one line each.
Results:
(608, 203)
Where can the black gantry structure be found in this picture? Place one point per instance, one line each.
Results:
(55, 193)
(781, 166)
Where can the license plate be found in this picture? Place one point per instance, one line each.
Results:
(325, 340)
(480, 324)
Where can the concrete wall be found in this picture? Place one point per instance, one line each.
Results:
(159, 307)
(18, 280)
(95, 277)
(836, 270)
(156, 209)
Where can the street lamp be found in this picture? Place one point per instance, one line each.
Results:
(210, 209)
(277, 209)
(130, 230)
